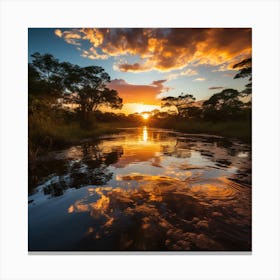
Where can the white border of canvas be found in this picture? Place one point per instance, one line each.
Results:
(17, 16)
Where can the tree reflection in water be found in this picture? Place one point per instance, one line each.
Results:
(90, 168)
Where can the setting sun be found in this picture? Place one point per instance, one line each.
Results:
(145, 116)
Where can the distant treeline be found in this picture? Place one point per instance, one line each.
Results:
(53, 84)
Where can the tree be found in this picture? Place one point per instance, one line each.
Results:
(182, 103)
(50, 73)
(36, 89)
(194, 112)
(245, 71)
(87, 87)
(223, 105)
(34, 81)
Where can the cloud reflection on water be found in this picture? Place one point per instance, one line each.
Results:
(168, 214)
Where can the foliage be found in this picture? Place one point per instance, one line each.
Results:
(84, 86)
(229, 104)
(87, 87)
(240, 129)
(223, 105)
(182, 103)
(50, 125)
(245, 71)
(195, 112)
(48, 72)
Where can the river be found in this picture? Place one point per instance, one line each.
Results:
(142, 189)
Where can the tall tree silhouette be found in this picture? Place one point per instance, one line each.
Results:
(87, 87)
(223, 105)
(245, 71)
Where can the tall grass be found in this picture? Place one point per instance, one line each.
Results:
(47, 132)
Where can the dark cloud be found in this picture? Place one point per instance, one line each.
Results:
(135, 67)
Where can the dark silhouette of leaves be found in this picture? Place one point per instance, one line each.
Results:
(245, 71)
(182, 103)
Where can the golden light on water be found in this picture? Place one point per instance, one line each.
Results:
(145, 134)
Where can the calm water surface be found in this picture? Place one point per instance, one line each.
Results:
(142, 189)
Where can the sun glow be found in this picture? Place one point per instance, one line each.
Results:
(140, 108)
(145, 116)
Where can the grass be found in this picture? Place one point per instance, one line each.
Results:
(60, 134)
(45, 133)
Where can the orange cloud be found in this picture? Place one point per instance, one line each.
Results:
(71, 37)
(146, 94)
(135, 67)
(58, 33)
(93, 54)
(165, 49)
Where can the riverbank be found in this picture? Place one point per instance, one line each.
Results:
(233, 129)
(45, 135)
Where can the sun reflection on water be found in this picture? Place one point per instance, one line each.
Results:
(145, 134)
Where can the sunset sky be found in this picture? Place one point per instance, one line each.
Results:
(148, 64)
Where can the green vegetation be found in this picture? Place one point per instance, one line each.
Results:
(230, 128)
(64, 102)
(52, 131)
(51, 86)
